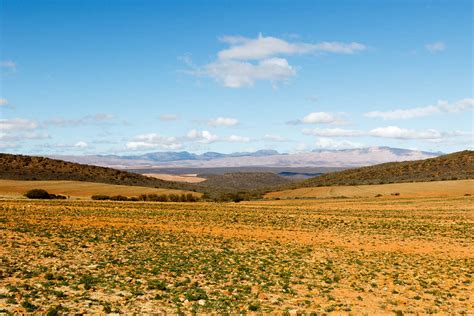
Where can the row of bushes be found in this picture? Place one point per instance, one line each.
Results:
(43, 194)
(189, 197)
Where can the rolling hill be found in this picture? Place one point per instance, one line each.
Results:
(242, 180)
(454, 166)
(19, 167)
(80, 189)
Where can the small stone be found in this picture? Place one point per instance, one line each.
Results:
(202, 302)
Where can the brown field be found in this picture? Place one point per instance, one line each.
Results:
(78, 189)
(373, 256)
(415, 189)
(188, 178)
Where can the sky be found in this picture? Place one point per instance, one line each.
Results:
(125, 77)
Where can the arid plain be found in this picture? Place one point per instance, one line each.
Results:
(337, 256)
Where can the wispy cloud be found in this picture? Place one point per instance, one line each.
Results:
(223, 121)
(17, 124)
(327, 143)
(274, 138)
(100, 118)
(238, 139)
(242, 48)
(320, 118)
(153, 141)
(440, 107)
(390, 132)
(7, 67)
(333, 132)
(168, 117)
(403, 133)
(435, 47)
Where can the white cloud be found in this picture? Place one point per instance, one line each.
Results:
(440, 107)
(319, 118)
(274, 138)
(242, 48)
(168, 117)
(98, 118)
(3, 102)
(223, 121)
(327, 143)
(8, 64)
(17, 124)
(153, 140)
(17, 137)
(203, 137)
(237, 74)
(248, 60)
(332, 132)
(435, 47)
(459, 106)
(238, 139)
(81, 144)
(403, 133)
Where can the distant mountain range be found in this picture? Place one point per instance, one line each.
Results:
(261, 158)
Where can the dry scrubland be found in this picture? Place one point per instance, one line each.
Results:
(373, 255)
(415, 189)
(79, 189)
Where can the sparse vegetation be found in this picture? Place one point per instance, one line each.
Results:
(189, 197)
(372, 255)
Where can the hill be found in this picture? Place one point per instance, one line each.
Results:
(80, 189)
(404, 190)
(19, 167)
(242, 180)
(454, 166)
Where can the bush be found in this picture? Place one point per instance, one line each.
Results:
(189, 197)
(100, 197)
(37, 194)
(43, 194)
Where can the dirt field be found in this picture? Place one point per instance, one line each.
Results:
(415, 189)
(77, 189)
(188, 178)
(335, 256)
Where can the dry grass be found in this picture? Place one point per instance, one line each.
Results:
(188, 178)
(416, 189)
(78, 189)
(340, 256)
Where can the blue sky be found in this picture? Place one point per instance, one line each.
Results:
(86, 77)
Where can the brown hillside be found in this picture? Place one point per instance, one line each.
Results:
(242, 180)
(454, 166)
(19, 167)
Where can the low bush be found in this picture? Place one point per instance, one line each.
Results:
(189, 197)
(100, 197)
(43, 194)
